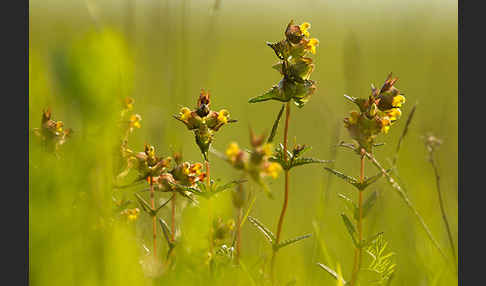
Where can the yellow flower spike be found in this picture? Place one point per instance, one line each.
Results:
(223, 115)
(311, 45)
(233, 150)
(398, 101)
(303, 28)
(129, 103)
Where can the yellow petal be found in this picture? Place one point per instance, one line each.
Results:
(398, 101)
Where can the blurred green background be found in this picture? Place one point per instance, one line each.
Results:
(85, 56)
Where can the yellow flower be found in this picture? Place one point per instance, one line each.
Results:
(385, 125)
(129, 103)
(185, 113)
(303, 28)
(196, 169)
(267, 149)
(354, 117)
(131, 214)
(232, 150)
(186, 168)
(223, 115)
(272, 169)
(59, 126)
(398, 101)
(135, 120)
(311, 45)
(393, 113)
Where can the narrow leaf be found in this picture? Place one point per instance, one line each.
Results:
(371, 239)
(165, 231)
(162, 205)
(371, 180)
(350, 227)
(275, 124)
(143, 203)
(368, 204)
(266, 232)
(305, 161)
(331, 272)
(291, 241)
(340, 175)
(352, 207)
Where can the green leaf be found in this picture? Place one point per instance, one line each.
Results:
(266, 232)
(166, 231)
(143, 203)
(368, 204)
(305, 161)
(291, 241)
(273, 93)
(367, 242)
(371, 180)
(350, 227)
(148, 208)
(275, 124)
(331, 272)
(350, 205)
(340, 175)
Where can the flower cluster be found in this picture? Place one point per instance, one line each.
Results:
(376, 114)
(182, 174)
(203, 121)
(254, 162)
(52, 132)
(294, 66)
(146, 163)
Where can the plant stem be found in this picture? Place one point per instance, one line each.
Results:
(358, 250)
(173, 230)
(286, 197)
(152, 200)
(238, 236)
(210, 210)
(442, 209)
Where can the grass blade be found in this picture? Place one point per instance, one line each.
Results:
(275, 125)
(263, 229)
(332, 273)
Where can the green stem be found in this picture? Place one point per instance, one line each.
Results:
(286, 195)
(442, 209)
(154, 219)
(358, 250)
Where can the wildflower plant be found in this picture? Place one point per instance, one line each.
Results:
(51, 132)
(375, 116)
(295, 85)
